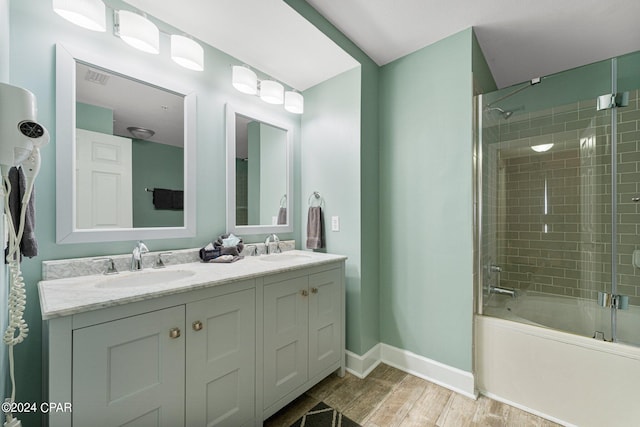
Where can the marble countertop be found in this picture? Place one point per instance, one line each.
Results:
(68, 296)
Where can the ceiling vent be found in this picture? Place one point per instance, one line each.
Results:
(96, 77)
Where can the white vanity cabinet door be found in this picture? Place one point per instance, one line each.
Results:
(221, 343)
(325, 321)
(286, 335)
(130, 372)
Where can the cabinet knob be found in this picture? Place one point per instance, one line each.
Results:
(314, 290)
(174, 333)
(304, 292)
(197, 325)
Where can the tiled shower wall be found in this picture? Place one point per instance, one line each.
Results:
(552, 210)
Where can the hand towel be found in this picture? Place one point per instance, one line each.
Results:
(282, 216)
(162, 198)
(29, 244)
(315, 228)
(177, 202)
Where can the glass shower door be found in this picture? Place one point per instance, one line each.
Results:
(546, 202)
(626, 320)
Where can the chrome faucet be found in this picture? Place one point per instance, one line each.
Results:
(136, 256)
(499, 290)
(276, 240)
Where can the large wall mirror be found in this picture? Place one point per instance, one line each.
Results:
(124, 142)
(259, 173)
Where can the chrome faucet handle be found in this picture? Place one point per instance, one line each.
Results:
(136, 256)
(253, 250)
(276, 240)
(111, 266)
(159, 263)
(142, 247)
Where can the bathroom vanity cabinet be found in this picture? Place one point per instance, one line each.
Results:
(302, 332)
(219, 355)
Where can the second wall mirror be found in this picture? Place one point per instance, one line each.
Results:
(259, 173)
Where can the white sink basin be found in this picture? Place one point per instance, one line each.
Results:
(147, 278)
(283, 257)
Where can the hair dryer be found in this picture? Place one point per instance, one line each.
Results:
(21, 137)
(20, 133)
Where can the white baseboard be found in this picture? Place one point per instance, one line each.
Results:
(452, 378)
(361, 366)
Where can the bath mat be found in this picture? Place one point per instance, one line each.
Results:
(323, 415)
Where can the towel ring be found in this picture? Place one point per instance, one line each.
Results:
(315, 196)
(283, 201)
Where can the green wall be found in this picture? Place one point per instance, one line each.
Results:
(273, 171)
(483, 81)
(94, 118)
(426, 264)
(253, 171)
(35, 28)
(367, 333)
(567, 87)
(155, 165)
(331, 165)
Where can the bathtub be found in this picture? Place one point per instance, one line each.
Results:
(522, 359)
(574, 315)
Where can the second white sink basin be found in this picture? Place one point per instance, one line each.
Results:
(146, 278)
(283, 257)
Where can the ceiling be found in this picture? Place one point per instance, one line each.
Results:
(520, 39)
(266, 34)
(134, 104)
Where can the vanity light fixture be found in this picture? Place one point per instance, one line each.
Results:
(541, 148)
(89, 14)
(187, 52)
(244, 79)
(271, 92)
(134, 29)
(293, 102)
(137, 31)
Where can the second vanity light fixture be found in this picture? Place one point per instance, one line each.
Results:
(246, 81)
(134, 29)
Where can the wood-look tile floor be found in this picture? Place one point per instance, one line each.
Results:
(389, 397)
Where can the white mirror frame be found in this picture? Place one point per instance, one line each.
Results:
(232, 227)
(66, 231)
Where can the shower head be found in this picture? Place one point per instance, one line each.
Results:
(505, 114)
